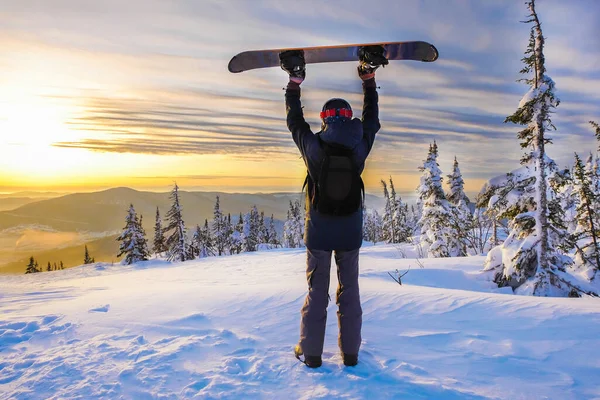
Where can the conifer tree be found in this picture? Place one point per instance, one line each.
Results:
(272, 232)
(236, 239)
(62, 266)
(294, 226)
(86, 258)
(133, 240)
(159, 243)
(461, 219)
(529, 259)
(49, 267)
(176, 239)
(230, 229)
(586, 237)
(251, 230)
(32, 267)
(206, 246)
(596, 126)
(263, 234)
(373, 230)
(436, 234)
(220, 232)
(400, 224)
(388, 228)
(55, 267)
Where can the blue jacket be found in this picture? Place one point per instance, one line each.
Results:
(328, 232)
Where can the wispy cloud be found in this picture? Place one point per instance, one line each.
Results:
(150, 77)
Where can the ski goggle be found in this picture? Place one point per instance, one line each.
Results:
(333, 112)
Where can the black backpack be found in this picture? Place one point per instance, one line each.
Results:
(339, 189)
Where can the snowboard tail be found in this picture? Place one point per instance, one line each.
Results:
(416, 51)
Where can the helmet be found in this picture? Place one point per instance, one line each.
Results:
(335, 109)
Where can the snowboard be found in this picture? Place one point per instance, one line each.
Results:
(417, 51)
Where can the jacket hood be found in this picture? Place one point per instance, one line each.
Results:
(343, 132)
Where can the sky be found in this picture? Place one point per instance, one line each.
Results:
(102, 94)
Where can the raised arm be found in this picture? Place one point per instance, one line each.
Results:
(301, 133)
(292, 61)
(370, 114)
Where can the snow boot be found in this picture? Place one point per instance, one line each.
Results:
(350, 360)
(309, 361)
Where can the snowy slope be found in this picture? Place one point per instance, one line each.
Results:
(225, 328)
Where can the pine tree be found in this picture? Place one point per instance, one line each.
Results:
(293, 229)
(220, 232)
(55, 267)
(456, 184)
(176, 240)
(86, 258)
(586, 237)
(400, 224)
(133, 239)
(388, 216)
(229, 231)
(49, 267)
(461, 219)
(32, 267)
(272, 232)
(596, 126)
(62, 266)
(206, 246)
(529, 258)
(236, 240)
(373, 227)
(436, 234)
(195, 243)
(263, 234)
(159, 243)
(251, 230)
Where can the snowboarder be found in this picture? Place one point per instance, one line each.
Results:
(335, 158)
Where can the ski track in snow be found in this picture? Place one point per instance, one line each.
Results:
(225, 328)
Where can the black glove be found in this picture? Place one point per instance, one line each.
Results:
(370, 58)
(292, 61)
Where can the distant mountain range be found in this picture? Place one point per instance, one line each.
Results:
(96, 219)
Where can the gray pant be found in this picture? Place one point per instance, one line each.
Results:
(314, 311)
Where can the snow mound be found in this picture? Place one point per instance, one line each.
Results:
(225, 328)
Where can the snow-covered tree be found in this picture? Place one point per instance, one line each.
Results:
(596, 126)
(263, 234)
(529, 260)
(272, 232)
(236, 240)
(160, 245)
(133, 240)
(388, 228)
(586, 237)
(219, 230)
(250, 233)
(49, 267)
(436, 234)
(293, 229)
(461, 219)
(202, 242)
(457, 184)
(400, 216)
(176, 239)
(32, 267)
(373, 227)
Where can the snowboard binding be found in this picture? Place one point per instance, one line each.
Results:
(370, 58)
(292, 62)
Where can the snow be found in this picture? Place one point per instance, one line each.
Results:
(224, 327)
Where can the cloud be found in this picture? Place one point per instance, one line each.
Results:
(150, 77)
